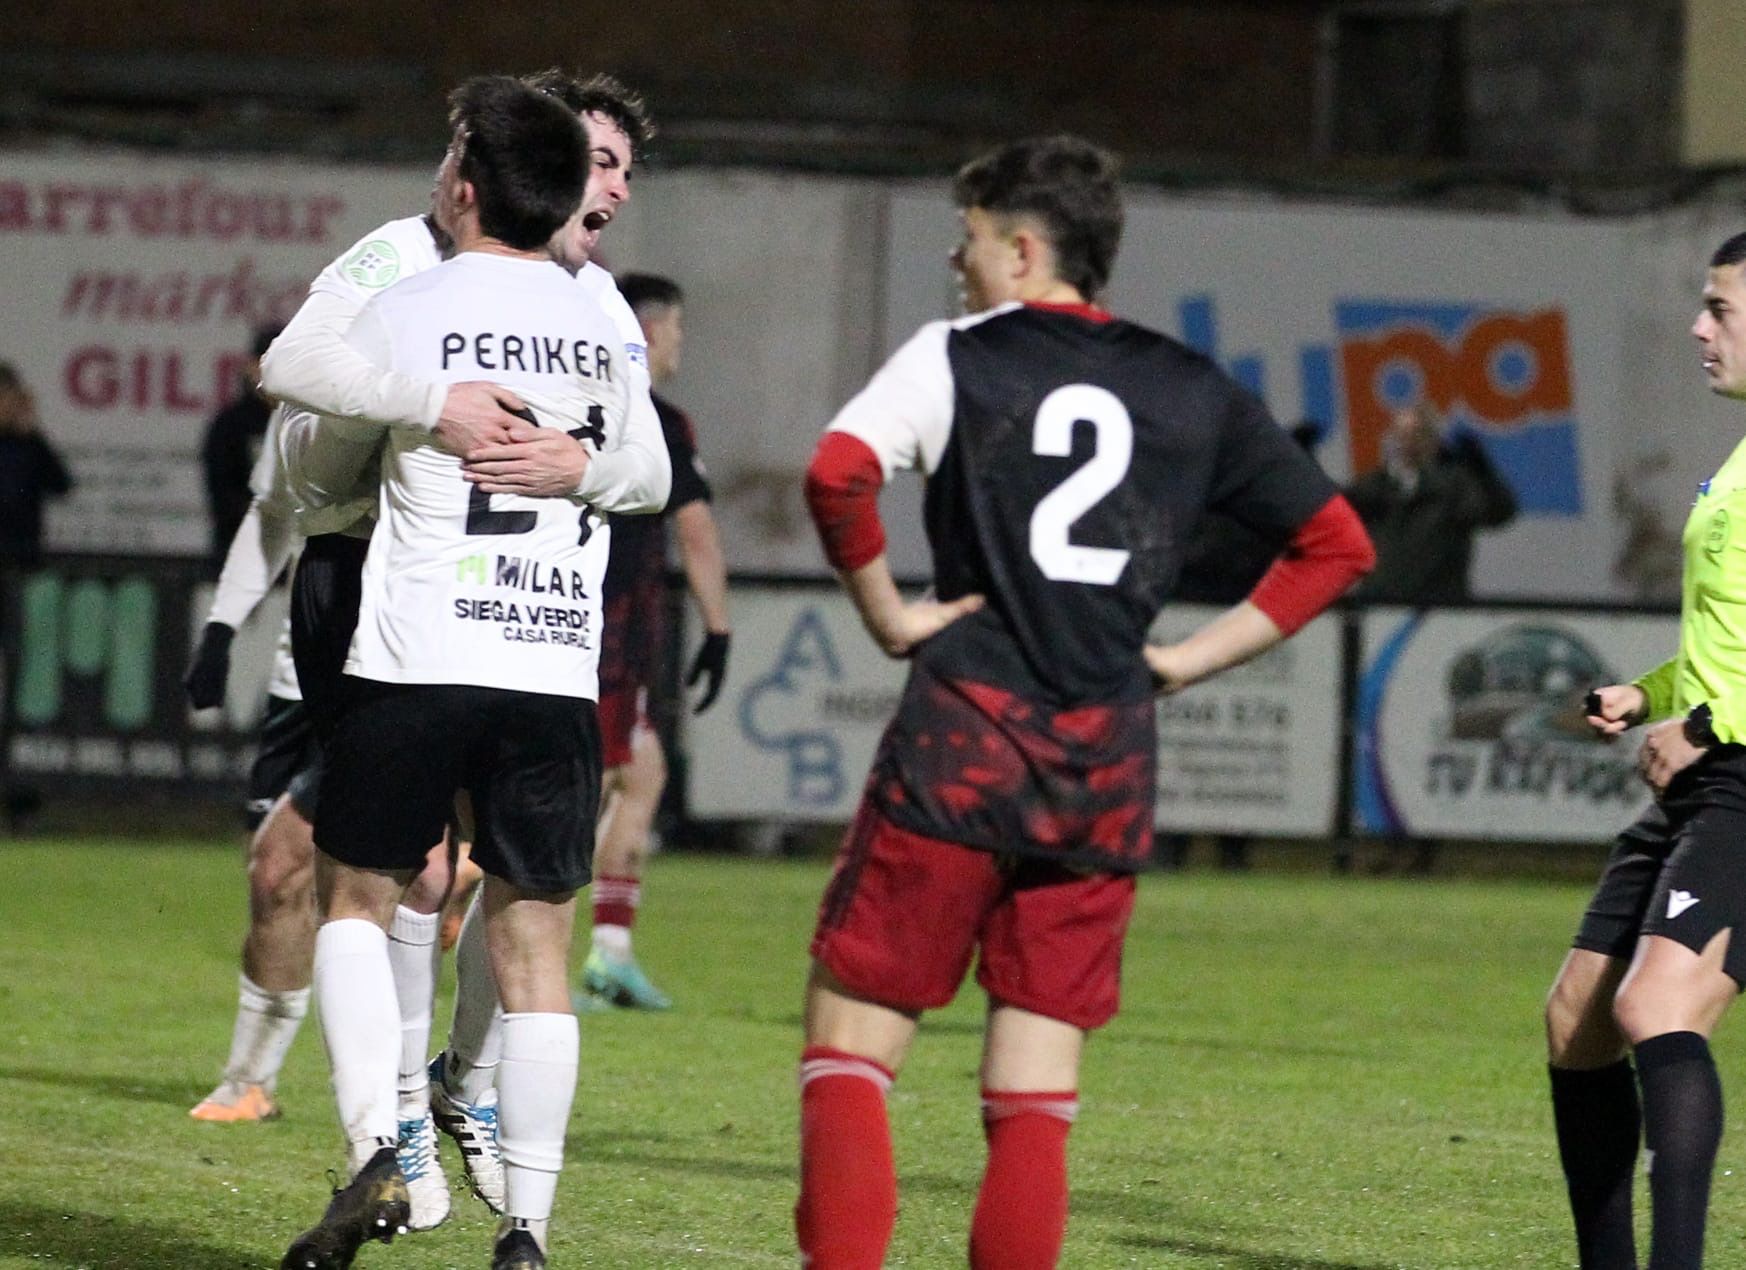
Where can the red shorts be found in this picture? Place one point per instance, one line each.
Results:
(622, 715)
(904, 912)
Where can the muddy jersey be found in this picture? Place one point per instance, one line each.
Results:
(1069, 459)
(461, 587)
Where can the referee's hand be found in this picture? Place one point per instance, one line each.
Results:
(210, 666)
(1612, 710)
(1665, 754)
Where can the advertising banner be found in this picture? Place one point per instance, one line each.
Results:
(1469, 723)
(133, 284)
(800, 715)
(96, 705)
(1255, 750)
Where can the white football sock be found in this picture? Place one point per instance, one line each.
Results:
(476, 1033)
(266, 1024)
(535, 1084)
(614, 941)
(354, 995)
(414, 956)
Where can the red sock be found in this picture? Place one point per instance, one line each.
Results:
(848, 1185)
(616, 900)
(1021, 1214)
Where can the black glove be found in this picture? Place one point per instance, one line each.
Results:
(210, 667)
(711, 661)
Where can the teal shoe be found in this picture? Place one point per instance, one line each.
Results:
(622, 982)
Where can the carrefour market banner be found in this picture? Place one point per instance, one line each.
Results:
(1510, 326)
(806, 700)
(1255, 750)
(1470, 724)
(133, 283)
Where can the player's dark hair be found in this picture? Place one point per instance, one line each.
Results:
(1732, 252)
(649, 291)
(1068, 186)
(9, 376)
(599, 95)
(525, 154)
(263, 338)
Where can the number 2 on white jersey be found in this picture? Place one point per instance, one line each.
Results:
(1052, 521)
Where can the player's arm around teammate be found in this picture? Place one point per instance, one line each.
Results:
(311, 365)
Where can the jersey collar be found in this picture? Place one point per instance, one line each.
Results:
(1090, 312)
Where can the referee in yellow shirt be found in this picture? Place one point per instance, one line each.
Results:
(1655, 965)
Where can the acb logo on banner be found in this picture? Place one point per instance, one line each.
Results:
(1500, 374)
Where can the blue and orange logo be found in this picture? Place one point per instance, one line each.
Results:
(1503, 376)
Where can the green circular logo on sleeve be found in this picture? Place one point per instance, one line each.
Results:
(1716, 537)
(373, 265)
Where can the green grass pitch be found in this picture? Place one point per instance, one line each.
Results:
(1308, 1074)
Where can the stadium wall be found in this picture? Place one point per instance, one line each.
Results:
(1559, 340)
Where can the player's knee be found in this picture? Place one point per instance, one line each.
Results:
(1580, 1027)
(281, 871)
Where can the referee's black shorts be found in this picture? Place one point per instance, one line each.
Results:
(1680, 869)
(399, 753)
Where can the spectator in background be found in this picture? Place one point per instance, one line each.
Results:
(31, 471)
(1433, 492)
(233, 442)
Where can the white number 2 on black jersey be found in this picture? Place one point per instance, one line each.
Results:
(1052, 521)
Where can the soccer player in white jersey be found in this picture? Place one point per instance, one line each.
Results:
(312, 365)
(273, 993)
(315, 365)
(473, 666)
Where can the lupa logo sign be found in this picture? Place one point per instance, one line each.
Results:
(1503, 375)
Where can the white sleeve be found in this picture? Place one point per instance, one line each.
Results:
(312, 365)
(258, 552)
(636, 475)
(904, 414)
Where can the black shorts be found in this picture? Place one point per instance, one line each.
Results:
(326, 591)
(399, 753)
(287, 745)
(305, 787)
(1680, 870)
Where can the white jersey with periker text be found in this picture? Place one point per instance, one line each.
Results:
(460, 587)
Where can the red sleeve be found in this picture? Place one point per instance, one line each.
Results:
(842, 493)
(1329, 552)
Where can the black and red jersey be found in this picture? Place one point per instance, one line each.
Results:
(636, 570)
(1069, 457)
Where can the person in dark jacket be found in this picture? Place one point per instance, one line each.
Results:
(233, 442)
(31, 472)
(1423, 506)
